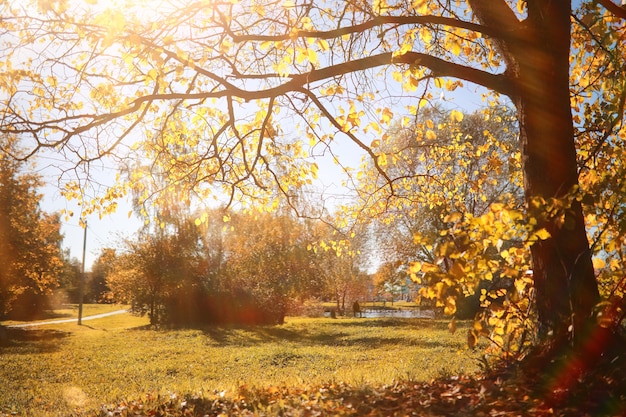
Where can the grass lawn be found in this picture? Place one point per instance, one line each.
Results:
(65, 368)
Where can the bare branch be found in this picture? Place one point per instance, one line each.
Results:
(370, 24)
(366, 148)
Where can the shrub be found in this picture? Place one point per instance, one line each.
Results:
(198, 307)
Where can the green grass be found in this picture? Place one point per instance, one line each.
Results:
(65, 368)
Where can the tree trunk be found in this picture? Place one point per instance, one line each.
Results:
(536, 54)
(565, 284)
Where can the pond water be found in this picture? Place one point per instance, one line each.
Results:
(409, 314)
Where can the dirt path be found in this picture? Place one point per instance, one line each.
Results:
(74, 320)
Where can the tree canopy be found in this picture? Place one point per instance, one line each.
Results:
(236, 98)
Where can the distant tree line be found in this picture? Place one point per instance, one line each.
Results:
(242, 267)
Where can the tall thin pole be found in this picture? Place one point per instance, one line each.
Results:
(81, 285)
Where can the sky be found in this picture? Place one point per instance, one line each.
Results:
(105, 232)
(110, 230)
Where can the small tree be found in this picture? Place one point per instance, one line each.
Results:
(69, 279)
(102, 267)
(267, 259)
(151, 271)
(443, 163)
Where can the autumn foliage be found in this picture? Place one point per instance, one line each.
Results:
(239, 101)
(240, 268)
(30, 238)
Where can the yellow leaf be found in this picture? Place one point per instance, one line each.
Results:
(430, 135)
(411, 84)
(425, 35)
(304, 54)
(428, 267)
(450, 307)
(453, 217)
(598, 263)
(406, 47)
(455, 47)
(379, 6)
(323, 44)
(312, 55)
(456, 115)
(420, 6)
(542, 234)
(452, 85)
(415, 267)
(375, 143)
(375, 126)
(387, 115)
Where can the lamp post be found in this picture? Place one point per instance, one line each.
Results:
(81, 285)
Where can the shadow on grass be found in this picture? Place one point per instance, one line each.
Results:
(44, 315)
(417, 323)
(340, 333)
(29, 341)
(51, 314)
(333, 333)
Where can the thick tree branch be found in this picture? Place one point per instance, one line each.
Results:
(497, 82)
(500, 83)
(613, 8)
(497, 15)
